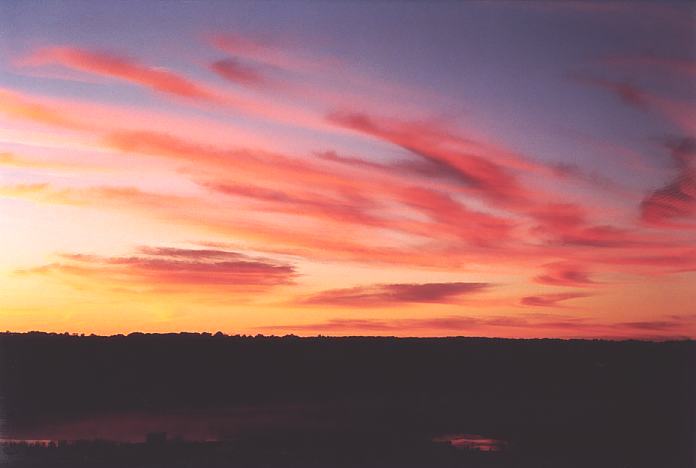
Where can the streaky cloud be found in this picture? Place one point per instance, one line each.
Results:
(173, 270)
(394, 294)
(674, 205)
(529, 324)
(565, 274)
(112, 65)
(551, 300)
(236, 72)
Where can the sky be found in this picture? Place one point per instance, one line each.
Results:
(508, 169)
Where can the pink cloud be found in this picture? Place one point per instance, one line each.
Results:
(477, 172)
(674, 205)
(268, 51)
(679, 113)
(550, 300)
(111, 65)
(395, 294)
(171, 83)
(174, 270)
(655, 261)
(568, 224)
(565, 274)
(532, 325)
(236, 72)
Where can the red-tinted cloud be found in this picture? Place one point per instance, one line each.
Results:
(550, 300)
(675, 204)
(674, 260)
(335, 196)
(115, 66)
(349, 210)
(539, 325)
(567, 224)
(451, 216)
(627, 92)
(601, 236)
(394, 294)
(175, 270)
(564, 274)
(674, 201)
(654, 325)
(236, 72)
(455, 157)
(269, 52)
(251, 163)
(679, 113)
(559, 216)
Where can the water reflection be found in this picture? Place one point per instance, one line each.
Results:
(472, 442)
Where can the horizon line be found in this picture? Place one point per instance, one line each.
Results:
(219, 334)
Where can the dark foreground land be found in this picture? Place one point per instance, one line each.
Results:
(192, 400)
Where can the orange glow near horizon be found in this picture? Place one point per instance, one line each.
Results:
(291, 183)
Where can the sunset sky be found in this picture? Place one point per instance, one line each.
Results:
(349, 168)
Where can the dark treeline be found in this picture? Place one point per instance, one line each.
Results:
(293, 451)
(558, 403)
